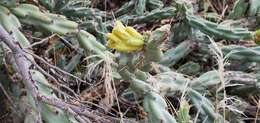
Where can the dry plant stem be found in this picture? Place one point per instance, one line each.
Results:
(79, 118)
(257, 112)
(56, 68)
(223, 13)
(221, 72)
(7, 96)
(79, 110)
(24, 69)
(68, 44)
(55, 80)
(42, 41)
(98, 106)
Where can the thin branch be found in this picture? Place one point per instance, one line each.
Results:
(42, 41)
(23, 65)
(56, 68)
(54, 79)
(8, 97)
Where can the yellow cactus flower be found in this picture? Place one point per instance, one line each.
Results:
(257, 36)
(125, 39)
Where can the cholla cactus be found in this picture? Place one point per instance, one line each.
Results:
(125, 39)
(147, 64)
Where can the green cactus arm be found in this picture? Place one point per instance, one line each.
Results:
(235, 52)
(12, 25)
(205, 107)
(60, 4)
(89, 42)
(211, 78)
(239, 9)
(49, 4)
(170, 82)
(9, 3)
(183, 112)
(153, 52)
(155, 106)
(172, 56)
(140, 7)
(125, 8)
(95, 16)
(218, 30)
(205, 80)
(8, 20)
(57, 24)
(179, 32)
(254, 8)
(101, 30)
(51, 22)
(22, 66)
(245, 90)
(189, 68)
(155, 15)
(87, 13)
(74, 61)
(153, 103)
(154, 4)
(49, 113)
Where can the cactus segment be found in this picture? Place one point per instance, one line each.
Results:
(239, 9)
(156, 107)
(51, 22)
(218, 31)
(140, 7)
(90, 43)
(172, 56)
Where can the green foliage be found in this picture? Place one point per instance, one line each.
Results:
(177, 57)
(154, 4)
(51, 22)
(242, 53)
(254, 9)
(152, 50)
(218, 30)
(155, 15)
(189, 68)
(172, 56)
(183, 112)
(205, 107)
(50, 114)
(8, 3)
(153, 104)
(12, 24)
(140, 7)
(239, 9)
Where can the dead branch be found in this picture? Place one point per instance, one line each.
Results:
(23, 65)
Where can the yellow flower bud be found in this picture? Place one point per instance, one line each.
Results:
(125, 39)
(133, 32)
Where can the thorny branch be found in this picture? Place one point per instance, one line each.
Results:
(23, 65)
